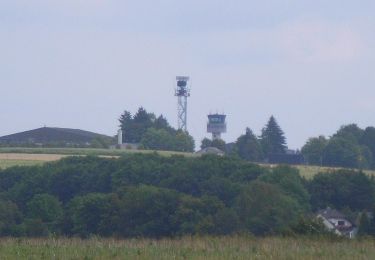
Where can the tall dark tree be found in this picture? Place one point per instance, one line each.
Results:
(272, 139)
(125, 119)
(135, 127)
(126, 125)
(162, 123)
(141, 122)
(248, 147)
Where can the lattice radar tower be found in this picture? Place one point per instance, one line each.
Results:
(182, 92)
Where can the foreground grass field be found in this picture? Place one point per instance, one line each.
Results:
(187, 248)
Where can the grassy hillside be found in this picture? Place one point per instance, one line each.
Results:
(52, 135)
(187, 248)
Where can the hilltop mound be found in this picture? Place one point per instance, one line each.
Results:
(52, 136)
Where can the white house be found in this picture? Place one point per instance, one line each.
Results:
(337, 222)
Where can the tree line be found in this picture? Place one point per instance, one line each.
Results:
(350, 147)
(148, 195)
(249, 147)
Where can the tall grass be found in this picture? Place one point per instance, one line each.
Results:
(235, 247)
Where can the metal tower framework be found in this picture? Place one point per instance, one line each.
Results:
(182, 92)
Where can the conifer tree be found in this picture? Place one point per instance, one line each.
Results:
(126, 125)
(272, 139)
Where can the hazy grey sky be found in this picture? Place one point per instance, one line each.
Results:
(80, 63)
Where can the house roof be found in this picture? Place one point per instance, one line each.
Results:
(331, 213)
(211, 150)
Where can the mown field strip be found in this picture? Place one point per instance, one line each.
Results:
(18, 159)
(31, 157)
(309, 172)
(84, 151)
(10, 163)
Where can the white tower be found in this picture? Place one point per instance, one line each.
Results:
(216, 125)
(119, 137)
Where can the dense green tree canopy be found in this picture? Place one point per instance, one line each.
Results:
(291, 183)
(313, 150)
(342, 152)
(150, 195)
(264, 209)
(45, 207)
(218, 143)
(248, 147)
(350, 132)
(350, 147)
(154, 133)
(341, 189)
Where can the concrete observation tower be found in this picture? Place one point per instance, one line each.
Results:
(182, 91)
(216, 125)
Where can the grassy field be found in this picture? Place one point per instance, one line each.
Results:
(186, 248)
(5, 163)
(37, 156)
(309, 171)
(83, 151)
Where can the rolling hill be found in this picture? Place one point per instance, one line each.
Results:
(51, 136)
